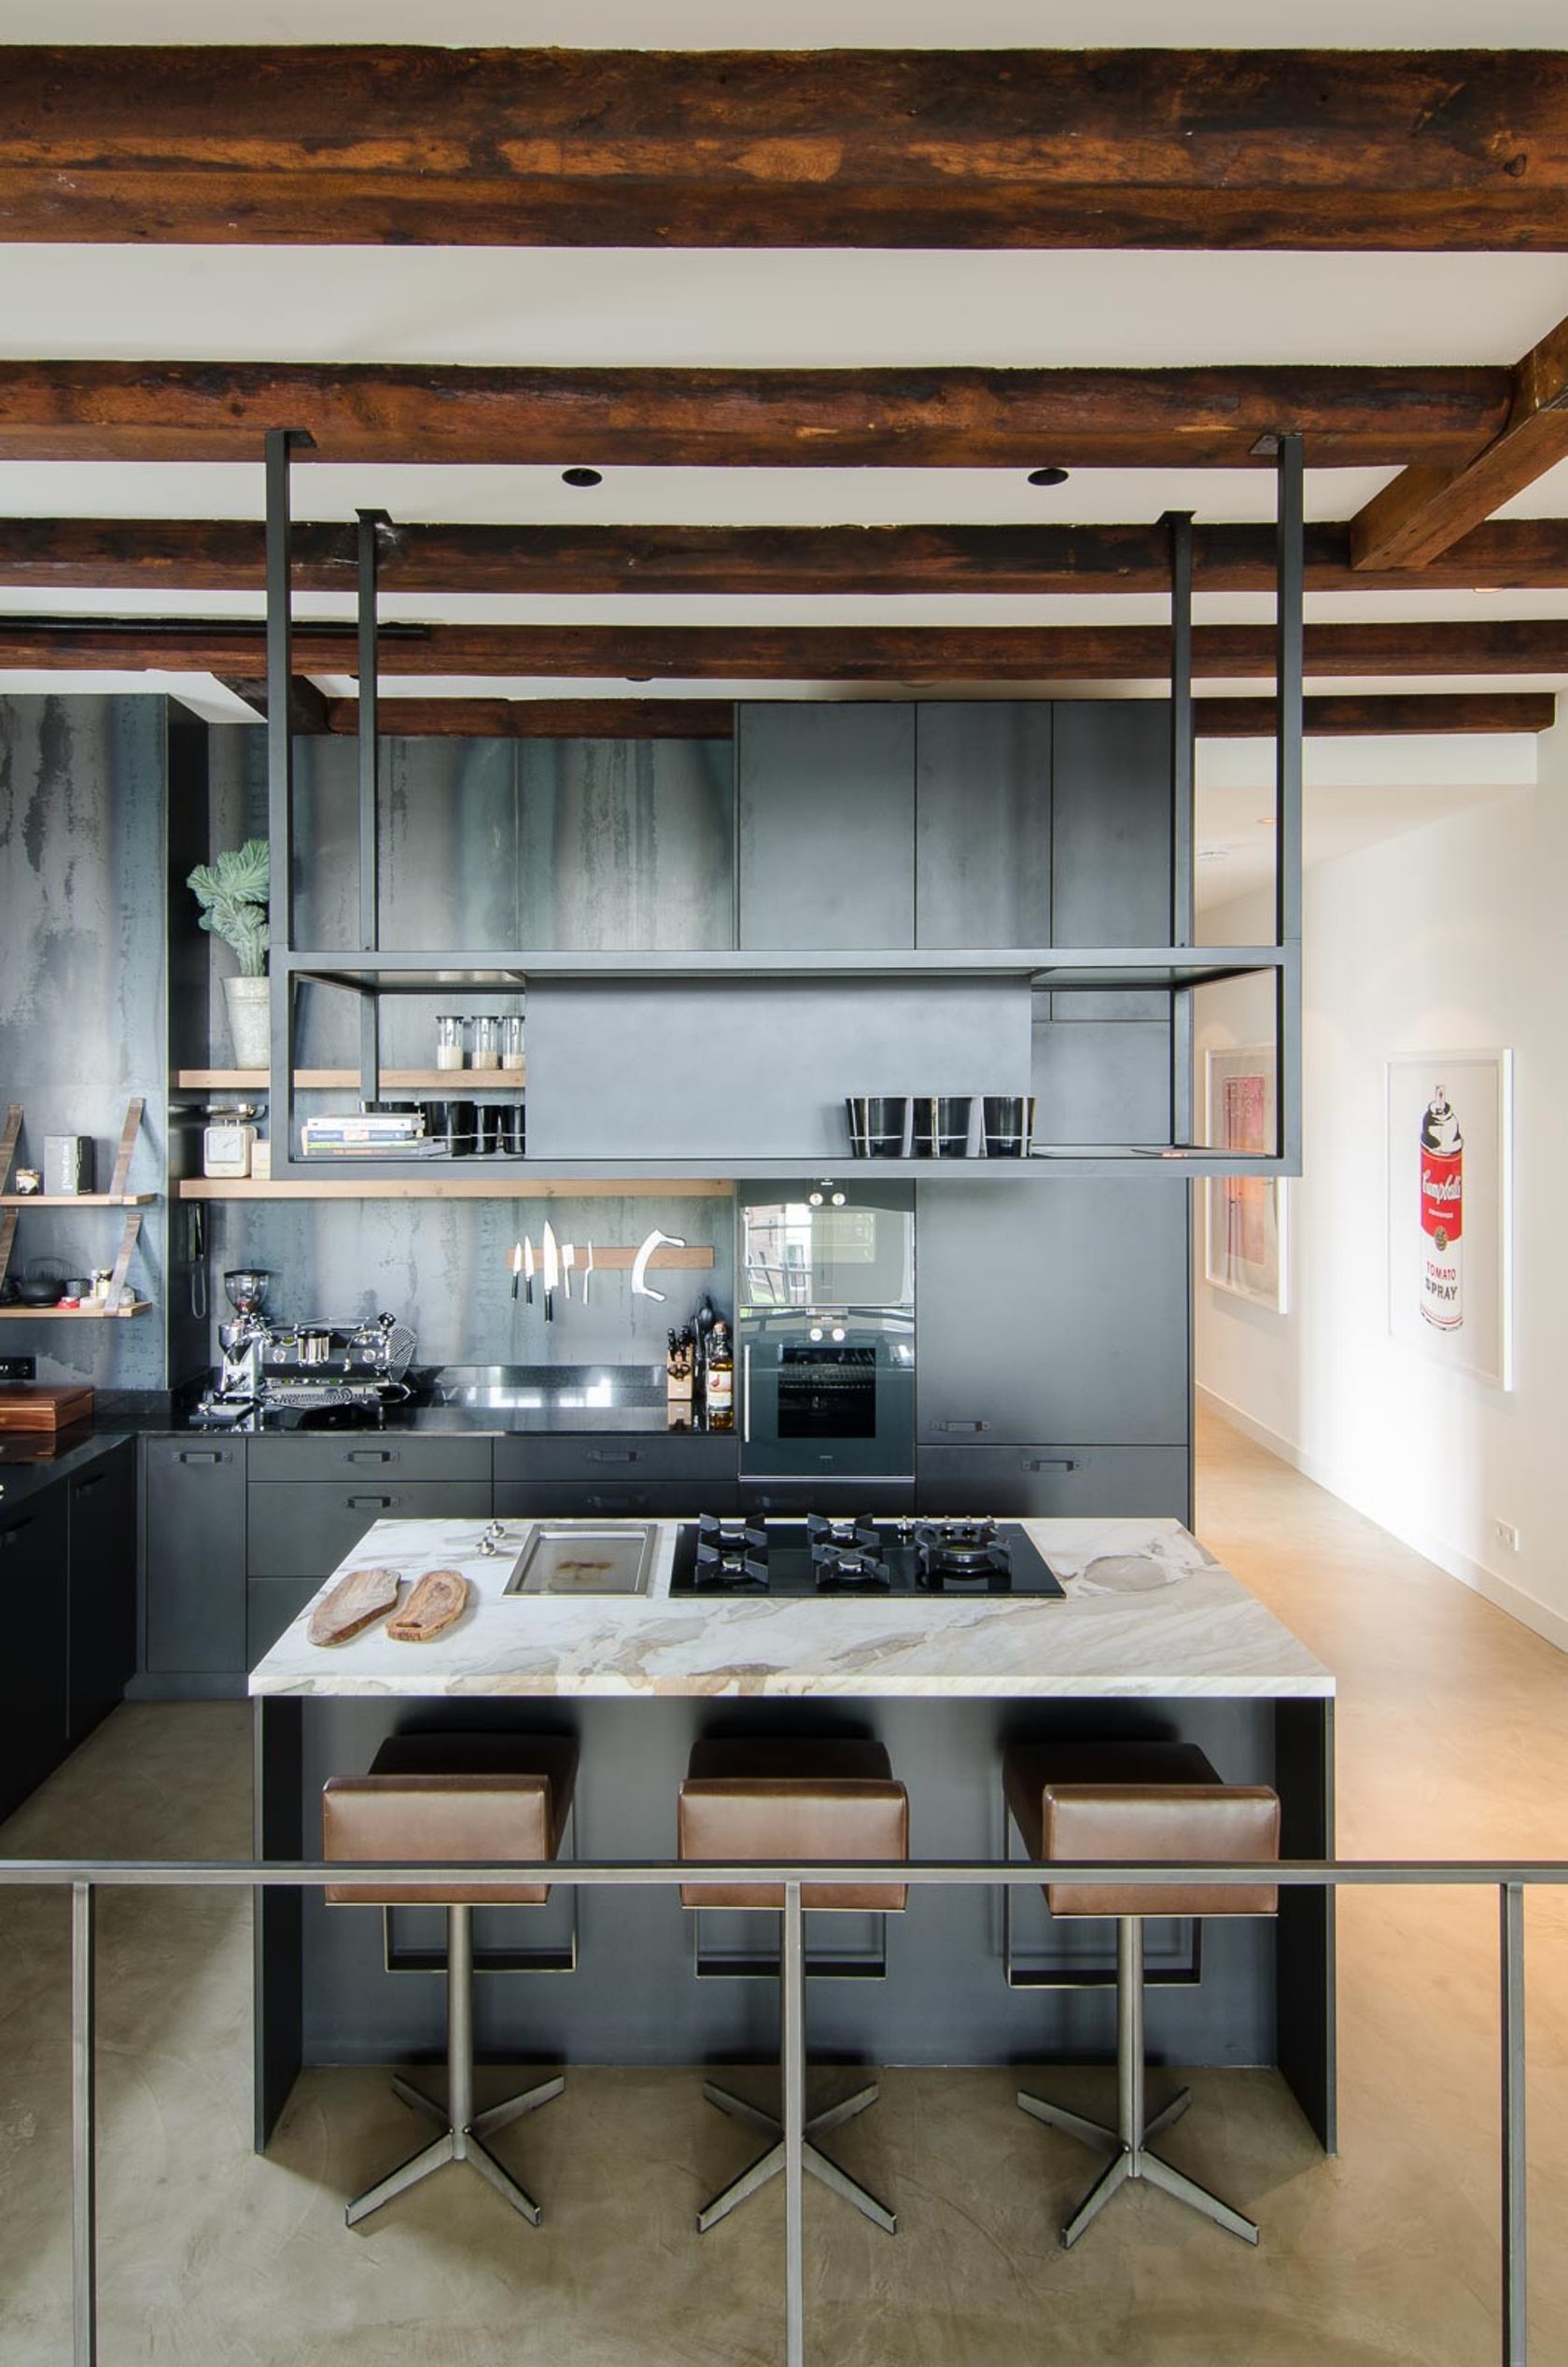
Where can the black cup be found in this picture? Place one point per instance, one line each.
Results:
(452, 1123)
(941, 1125)
(878, 1124)
(513, 1140)
(1009, 1120)
(488, 1131)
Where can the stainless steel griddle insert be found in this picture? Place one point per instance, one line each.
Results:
(586, 1556)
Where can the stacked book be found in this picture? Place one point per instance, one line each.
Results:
(369, 1134)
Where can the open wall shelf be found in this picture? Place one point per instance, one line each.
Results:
(74, 1314)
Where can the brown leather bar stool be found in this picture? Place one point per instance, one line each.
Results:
(453, 1800)
(1138, 1801)
(800, 1799)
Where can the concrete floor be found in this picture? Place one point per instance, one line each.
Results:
(1453, 1741)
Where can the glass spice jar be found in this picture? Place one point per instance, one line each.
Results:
(488, 1043)
(448, 1041)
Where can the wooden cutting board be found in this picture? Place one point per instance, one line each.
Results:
(32, 1405)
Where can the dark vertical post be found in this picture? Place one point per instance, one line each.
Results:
(1515, 2332)
(371, 522)
(1289, 718)
(1183, 752)
(84, 2200)
(792, 1969)
(281, 443)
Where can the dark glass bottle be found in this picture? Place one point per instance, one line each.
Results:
(719, 1381)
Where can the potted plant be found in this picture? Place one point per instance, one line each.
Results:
(232, 893)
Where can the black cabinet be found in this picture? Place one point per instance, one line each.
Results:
(787, 1498)
(194, 1556)
(1056, 1483)
(305, 1529)
(982, 823)
(33, 1602)
(827, 826)
(102, 1643)
(1051, 1310)
(653, 1476)
(388, 1456)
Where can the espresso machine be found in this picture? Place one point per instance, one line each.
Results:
(303, 1367)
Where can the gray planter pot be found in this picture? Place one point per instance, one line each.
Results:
(249, 1002)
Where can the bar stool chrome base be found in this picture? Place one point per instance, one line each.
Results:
(1129, 2141)
(463, 2131)
(769, 2165)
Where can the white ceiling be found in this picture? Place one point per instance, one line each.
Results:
(654, 307)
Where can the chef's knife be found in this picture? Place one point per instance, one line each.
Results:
(551, 1271)
(528, 1267)
(516, 1263)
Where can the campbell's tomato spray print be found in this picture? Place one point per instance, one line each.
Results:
(1442, 1215)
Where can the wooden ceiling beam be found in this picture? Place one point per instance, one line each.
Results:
(307, 705)
(1281, 149)
(1333, 717)
(1426, 509)
(225, 555)
(384, 414)
(882, 653)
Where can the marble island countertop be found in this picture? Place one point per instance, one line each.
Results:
(1147, 1612)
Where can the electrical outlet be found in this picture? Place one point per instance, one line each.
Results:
(19, 1368)
(1507, 1535)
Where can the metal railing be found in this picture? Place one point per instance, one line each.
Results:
(85, 1878)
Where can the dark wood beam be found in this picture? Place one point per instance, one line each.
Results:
(631, 718)
(1426, 509)
(1375, 716)
(307, 705)
(705, 718)
(920, 148)
(225, 555)
(766, 652)
(904, 417)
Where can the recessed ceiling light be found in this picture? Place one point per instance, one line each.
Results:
(582, 477)
(1047, 476)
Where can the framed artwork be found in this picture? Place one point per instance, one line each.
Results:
(1244, 1248)
(1450, 1210)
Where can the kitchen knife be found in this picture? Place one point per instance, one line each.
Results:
(551, 1271)
(587, 1269)
(516, 1263)
(528, 1267)
(568, 1259)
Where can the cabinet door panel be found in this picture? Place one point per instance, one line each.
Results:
(1056, 1483)
(271, 1605)
(706, 1460)
(795, 1497)
(983, 822)
(614, 1499)
(33, 1603)
(1051, 1310)
(102, 1595)
(304, 1532)
(359, 1458)
(194, 1529)
(827, 825)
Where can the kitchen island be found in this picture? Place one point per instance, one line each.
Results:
(1152, 1638)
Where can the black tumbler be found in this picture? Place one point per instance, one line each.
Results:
(878, 1124)
(1009, 1125)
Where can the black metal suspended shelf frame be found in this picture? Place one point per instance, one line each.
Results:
(1179, 969)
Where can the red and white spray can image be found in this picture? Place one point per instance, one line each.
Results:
(1442, 1215)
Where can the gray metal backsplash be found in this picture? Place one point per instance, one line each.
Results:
(82, 993)
(440, 1265)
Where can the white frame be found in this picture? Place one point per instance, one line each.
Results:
(1218, 1272)
(1456, 1349)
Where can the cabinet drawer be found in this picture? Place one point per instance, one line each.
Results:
(629, 1457)
(797, 1497)
(616, 1499)
(303, 1532)
(360, 1455)
(1088, 1482)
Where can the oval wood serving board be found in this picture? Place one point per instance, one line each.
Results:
(439, 1600)
(356, 1601)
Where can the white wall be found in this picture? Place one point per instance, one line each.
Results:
(1447, 938)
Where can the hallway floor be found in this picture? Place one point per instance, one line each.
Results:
(1453, 1742)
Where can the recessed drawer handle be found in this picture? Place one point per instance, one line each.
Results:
(1050, 1463)
(370, 1504)
(9, 1536)
(970, 1428)
(595, 1455)
(620, 1502)
(370, 1454)
(197, 1454)
(95, 1480)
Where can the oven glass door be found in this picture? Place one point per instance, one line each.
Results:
(812, 1411)
(827, 1393)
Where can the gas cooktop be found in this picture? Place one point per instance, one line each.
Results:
(859, 1557)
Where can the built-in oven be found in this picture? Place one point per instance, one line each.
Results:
(825, 1331)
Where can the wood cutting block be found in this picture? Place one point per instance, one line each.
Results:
(44, 1405)
(358, 1599)
(439, 1600)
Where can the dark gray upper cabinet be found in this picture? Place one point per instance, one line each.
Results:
(1051, 1310)
(827, 826)
(627, 845)
(982, 823)
(1111, 822)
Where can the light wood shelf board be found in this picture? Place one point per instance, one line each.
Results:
(74, 1314)
(78, 1199)
(453, 1084)
(453, 1187)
